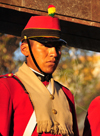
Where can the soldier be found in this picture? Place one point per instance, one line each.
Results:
(92, 121)
(31, 102)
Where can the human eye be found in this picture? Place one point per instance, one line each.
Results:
(48, 45)
(58, 46)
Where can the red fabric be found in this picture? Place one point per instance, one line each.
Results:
(43, 22)
(72, 109)
(50, 6)
(13, 102)
(16, 109)
(92, 121)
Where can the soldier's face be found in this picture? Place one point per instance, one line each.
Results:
(47, 56)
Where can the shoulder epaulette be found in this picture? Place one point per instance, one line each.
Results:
(7, 75)
(11, 75)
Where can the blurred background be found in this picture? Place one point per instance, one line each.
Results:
(78, 70)
(79, 66)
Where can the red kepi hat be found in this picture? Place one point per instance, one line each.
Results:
(45, 27)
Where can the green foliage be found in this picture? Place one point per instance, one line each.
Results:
(8, 44)
(75, 71)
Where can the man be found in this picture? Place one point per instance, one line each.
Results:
(92, 121)
(31, 102)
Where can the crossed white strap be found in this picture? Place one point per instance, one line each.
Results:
(32, 122)
(31, 125)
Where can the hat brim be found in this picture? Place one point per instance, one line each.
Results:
(49, 40)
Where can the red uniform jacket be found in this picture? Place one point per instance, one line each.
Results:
(16, 108)
(92, 121)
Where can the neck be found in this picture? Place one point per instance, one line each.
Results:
(41, 76)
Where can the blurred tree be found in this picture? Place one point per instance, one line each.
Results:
(8, 44)
(75, 71)
(79, 70)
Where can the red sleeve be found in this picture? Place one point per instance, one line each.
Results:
(92, 121)
(72, 108)
(5, 109)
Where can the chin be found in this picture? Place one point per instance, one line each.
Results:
(50, 71)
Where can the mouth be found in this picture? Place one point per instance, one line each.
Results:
(55, 62)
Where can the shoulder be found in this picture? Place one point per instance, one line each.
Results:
(9, 75)
(94, 110)
(6, 75)
(93, 116)
(94, 105)
(4, 79)
(10, 81)
(67, 92)
(10, 84)
(7, 78)
(5, 91)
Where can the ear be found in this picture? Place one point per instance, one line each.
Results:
(24, 49)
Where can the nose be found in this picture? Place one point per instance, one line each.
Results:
(54, 52)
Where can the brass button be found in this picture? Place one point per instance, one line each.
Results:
(54, 111)
(9, 75)
(51, 96)
(25, 37)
